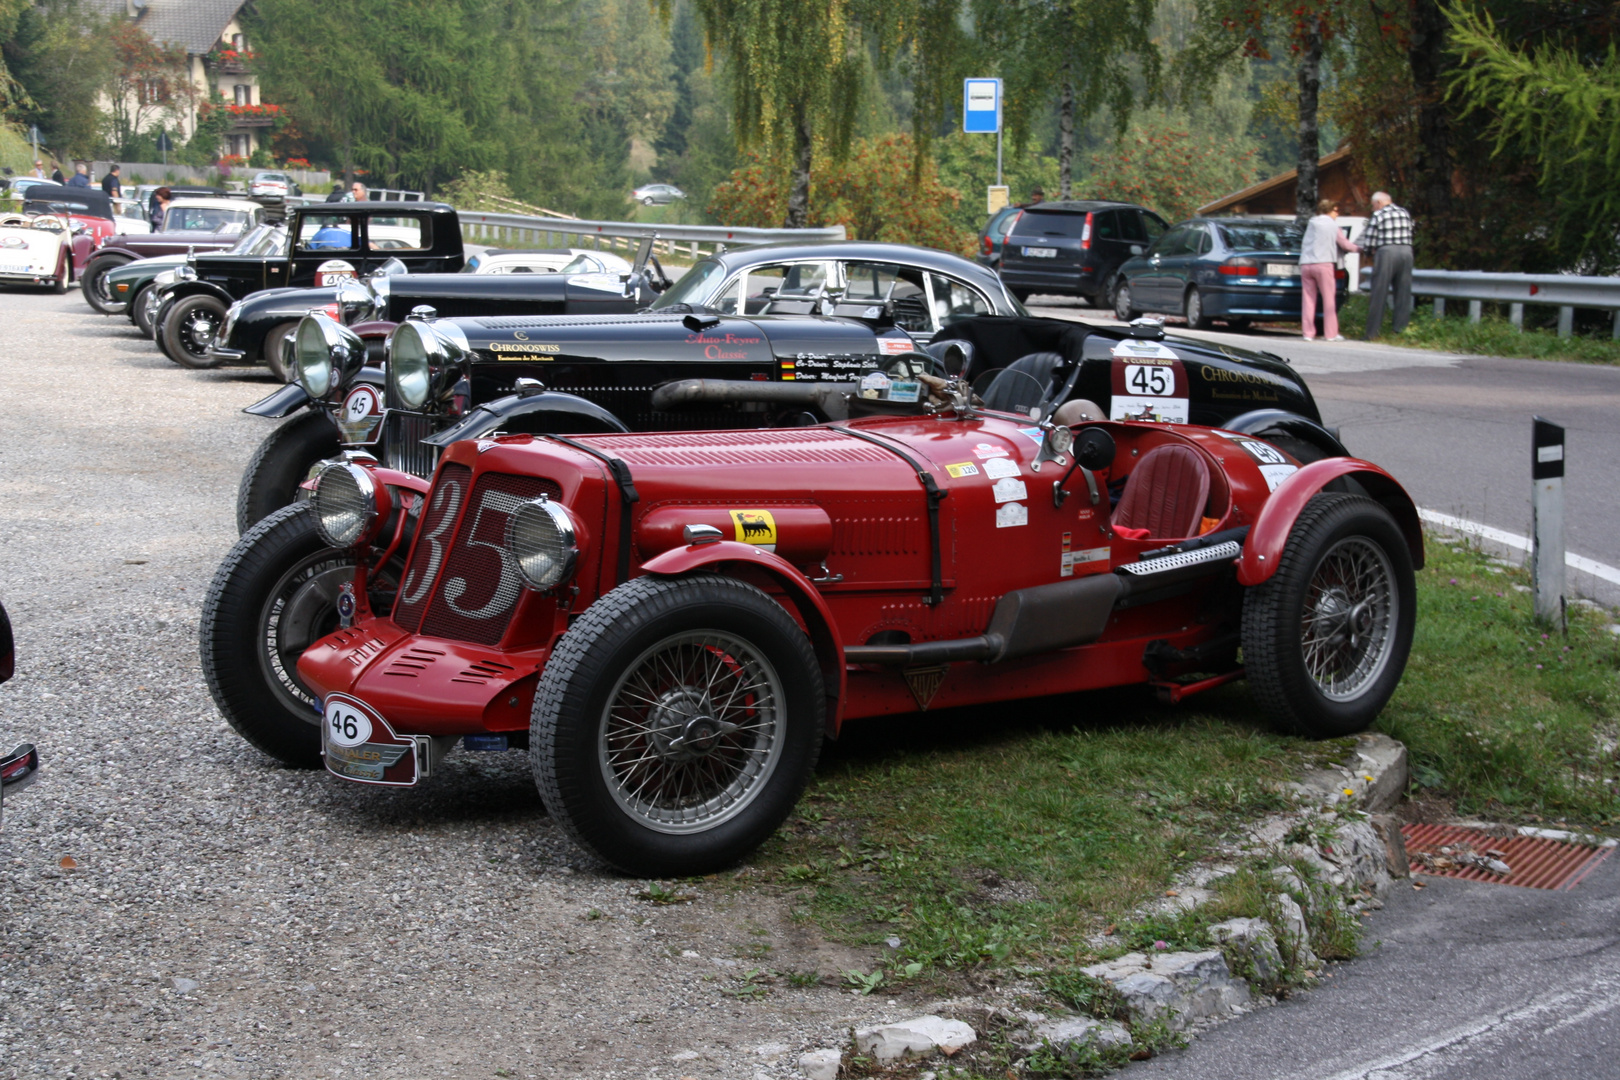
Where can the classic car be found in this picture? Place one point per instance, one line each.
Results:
(35, 249)
(191, 223)
(87, 211)
(449, 379)
(273, 186)
(329, 242)
(670, 624)
(19, 768)
(129, 286)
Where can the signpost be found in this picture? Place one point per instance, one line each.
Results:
(981, 113)
(33, 136)
(164, 145)
(1547, 520)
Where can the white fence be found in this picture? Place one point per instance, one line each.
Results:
(1566, 292)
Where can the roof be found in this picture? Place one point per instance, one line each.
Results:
(1281, 180)
(872, 250)
(1072, 206)
(195, 24)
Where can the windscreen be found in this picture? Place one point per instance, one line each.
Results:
(693, 287)
(1261, 236)
(204, 219)
(1050, 224)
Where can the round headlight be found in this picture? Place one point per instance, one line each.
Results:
(326, 355)
(354, 301)
(410, 363)
(540, 536)
(346, 502)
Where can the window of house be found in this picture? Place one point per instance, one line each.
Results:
(244, 94)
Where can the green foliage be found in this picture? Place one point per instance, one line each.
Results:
(1494, 335)
(60, 56)
(213, 121)
(967, 163)
(474, 190)
(1170, 166)
(1085, 994)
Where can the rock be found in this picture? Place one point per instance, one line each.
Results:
(1294, 934)
(1174, 987)
(1252, 944)
(1396, 861)
(1385, 760)
(821, 1064)
(1361, 854)
(771, 1050)
(1116, 969)
(920, 1037)
(185, 986)
(1077, 1032)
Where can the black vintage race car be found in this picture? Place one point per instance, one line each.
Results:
(328, 243)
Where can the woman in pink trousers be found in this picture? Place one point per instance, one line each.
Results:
(1318, 257)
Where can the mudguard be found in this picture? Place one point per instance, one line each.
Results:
(1300, 427)
(292, 397)
(1264, 546)
(489, 416)
(812, 608)
(182, 289)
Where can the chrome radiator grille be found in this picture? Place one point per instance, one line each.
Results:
(405, 450)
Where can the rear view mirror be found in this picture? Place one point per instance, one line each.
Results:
(1094, 449)
(1136, 249)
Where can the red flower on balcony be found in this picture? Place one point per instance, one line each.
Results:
(262, 110)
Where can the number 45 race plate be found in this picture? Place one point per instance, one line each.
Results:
(1149, 383)
(359, 745)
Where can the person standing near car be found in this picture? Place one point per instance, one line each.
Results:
(39, 169)
(161, 198)
(111, 185)
(1037, 195)
(1389, 238)
(1318, 259)
(337, 193)
(80, 177)
(357, 192)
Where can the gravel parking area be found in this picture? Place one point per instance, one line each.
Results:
(175, 904)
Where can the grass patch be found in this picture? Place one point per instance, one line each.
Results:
(1493, 335)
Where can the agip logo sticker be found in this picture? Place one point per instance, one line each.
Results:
(755, 527)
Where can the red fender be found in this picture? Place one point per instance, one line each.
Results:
(395, 478)
(812, 608)
(1269, 535)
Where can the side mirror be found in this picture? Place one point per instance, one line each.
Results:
(1136, 249)
(1094, 449)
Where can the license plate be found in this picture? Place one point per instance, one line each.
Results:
(359, 745)
(1282, 270)
(1040, 253)
(14, 268)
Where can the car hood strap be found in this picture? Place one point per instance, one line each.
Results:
(936, 494)
(627, 497)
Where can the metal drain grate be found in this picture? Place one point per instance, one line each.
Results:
(1537, 862)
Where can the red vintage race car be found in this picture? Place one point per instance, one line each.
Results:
(670, 623)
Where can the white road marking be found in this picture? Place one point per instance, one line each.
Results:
(1526, 1022)
(1522, 543)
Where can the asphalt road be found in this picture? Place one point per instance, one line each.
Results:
(1456, 429)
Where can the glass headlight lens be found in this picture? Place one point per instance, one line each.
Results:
(345, 502)
(409, 365)
(312, 359)
(540, 536)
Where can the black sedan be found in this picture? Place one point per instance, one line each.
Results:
(1233, 269)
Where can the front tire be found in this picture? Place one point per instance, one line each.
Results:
(272, 350)
(1124, 310)
(93, 282)
(1326, 639)
(1193, 308)
(143, 311)
(281, 463)
(189, 330)
(59, 283)
(677, 723)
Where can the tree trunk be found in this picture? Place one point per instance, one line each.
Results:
(798, 207)
(1431, 194)
(1066, 137)
(1310, 151)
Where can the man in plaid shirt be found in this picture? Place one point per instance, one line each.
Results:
(1389, 238)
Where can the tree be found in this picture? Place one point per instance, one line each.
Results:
(148, 81)
(59, 56)
(1171, 166)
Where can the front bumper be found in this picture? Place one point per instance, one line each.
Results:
(226, 356)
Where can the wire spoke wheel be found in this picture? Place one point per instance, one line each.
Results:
(1349, 609)
(692, 731)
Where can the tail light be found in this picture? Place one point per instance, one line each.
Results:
(1341, 274)
(1239, 268)
(1085, 234)
(988, 246)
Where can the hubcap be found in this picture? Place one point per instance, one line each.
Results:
(1348, 628)
(692, 732)
(200, 331)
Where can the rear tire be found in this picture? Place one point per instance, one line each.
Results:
(93, 283)
(1193, 308)
(272, 350)
(59, 283)
(1124, 311)
(635, 753)
(281, 463)
(1326, 639)
(189, 329)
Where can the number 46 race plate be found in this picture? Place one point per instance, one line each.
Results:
(1149, 383)
(359, 745)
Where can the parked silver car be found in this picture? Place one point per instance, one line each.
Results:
(657, 194)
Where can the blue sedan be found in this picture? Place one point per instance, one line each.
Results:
(1233, 269)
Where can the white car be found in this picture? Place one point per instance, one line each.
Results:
(193, 213)
(273, 185)
(548, 261)
(35, 249)
(131, 216)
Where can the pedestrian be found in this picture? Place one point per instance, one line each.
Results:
(111, 185)
(1389, 238)
(357, 192)
(1318, 259)
(56, 175)
(80, 177)
(161, 198)
(1037, 195)
(39, 169)
(337, 193)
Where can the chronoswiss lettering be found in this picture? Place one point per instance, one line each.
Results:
(527, 348)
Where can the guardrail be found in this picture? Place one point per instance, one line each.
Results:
(689, 240)
(1566, 292)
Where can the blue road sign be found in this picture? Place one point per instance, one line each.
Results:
(981, 106)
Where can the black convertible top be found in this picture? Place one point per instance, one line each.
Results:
(61, 199)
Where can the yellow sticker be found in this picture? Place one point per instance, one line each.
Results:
(966, 468)
(755, 527)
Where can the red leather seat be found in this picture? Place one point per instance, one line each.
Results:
(1166, 493)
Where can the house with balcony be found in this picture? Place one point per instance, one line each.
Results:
(218, 58)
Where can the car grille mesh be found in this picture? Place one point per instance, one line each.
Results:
(433, 538)
(477, 586)
(405, 450)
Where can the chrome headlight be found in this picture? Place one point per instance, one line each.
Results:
(326, 355)
(540, 536)
(423, 362)
(167, 277)
(185, 273)
(349, 504)
(354, 301)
